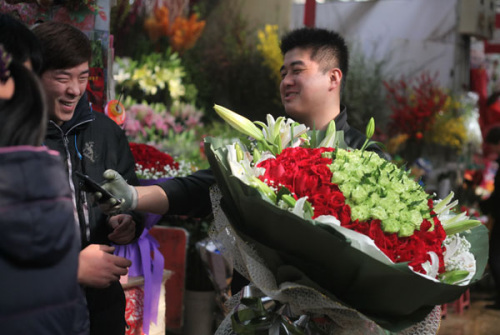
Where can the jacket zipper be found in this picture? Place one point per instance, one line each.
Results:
(72, 185)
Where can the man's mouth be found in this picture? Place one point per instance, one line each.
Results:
(290, 95)
(67, 105)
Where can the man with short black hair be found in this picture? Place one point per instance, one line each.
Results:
(89, 143)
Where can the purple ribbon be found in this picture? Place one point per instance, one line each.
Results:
(151, 268)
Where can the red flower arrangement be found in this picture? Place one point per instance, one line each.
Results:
(414, 105)
(305, 172)
(151, 163)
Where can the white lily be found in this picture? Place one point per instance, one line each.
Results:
(240, 163)
(281, 132)
(431, 267)
(453, 223)
(458, 257)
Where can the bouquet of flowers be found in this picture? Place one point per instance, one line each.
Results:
(336, 233)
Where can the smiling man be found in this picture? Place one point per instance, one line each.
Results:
(315, 66)
(89, 142)
(65, 87)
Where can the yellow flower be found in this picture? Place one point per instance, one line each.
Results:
(269, 48)
(176, 88)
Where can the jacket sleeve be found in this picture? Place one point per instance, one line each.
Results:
(190, 195)
(126, 167)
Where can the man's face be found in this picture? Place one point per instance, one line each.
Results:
(304, 87)
(64, 88)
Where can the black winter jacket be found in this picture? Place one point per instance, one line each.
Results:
(191, 195)
(92, 143)
(39, 246)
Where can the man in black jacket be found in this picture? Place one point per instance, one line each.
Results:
(314, 70)
(89, 143)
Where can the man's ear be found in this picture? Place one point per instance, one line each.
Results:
(335, 76)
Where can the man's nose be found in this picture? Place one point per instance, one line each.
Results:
(74, 88)
(287, 80)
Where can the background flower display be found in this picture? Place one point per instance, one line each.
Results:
(426, 117)
(269, 48)
(155, 77)
(414, 104)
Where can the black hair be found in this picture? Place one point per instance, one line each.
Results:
(493, 135)
(327, 47)
(23, 118)
(20, 41)
(63, 46)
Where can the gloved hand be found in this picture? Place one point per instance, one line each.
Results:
(117, 186)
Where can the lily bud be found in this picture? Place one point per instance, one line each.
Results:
(289, 200)
(329, 139)
(459, 226)
(239, 152)
(256, 155)
(240, 123)
(264, 189)
(370, 128)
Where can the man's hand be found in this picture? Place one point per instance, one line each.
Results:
(123, 229)
(120, 189)
(98, 267)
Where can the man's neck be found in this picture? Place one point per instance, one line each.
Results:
(321, 121)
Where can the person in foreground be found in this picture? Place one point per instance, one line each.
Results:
(39, 244)
(491, 206)
(314, 70)
(89, 143)
(20, 42)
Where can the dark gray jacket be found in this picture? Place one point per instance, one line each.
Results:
(39, 246)
(91, 143)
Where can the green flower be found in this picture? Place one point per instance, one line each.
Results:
(377, 189)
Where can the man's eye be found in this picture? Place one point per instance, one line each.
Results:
(283, 75)
(297, 71)
(62, 80)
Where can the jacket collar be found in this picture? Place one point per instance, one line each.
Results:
(341, 119)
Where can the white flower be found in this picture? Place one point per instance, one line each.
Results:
(121, 76)
(281, 131)
(176, 88)
(432, 267)
(242, 168)
(458, 256)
